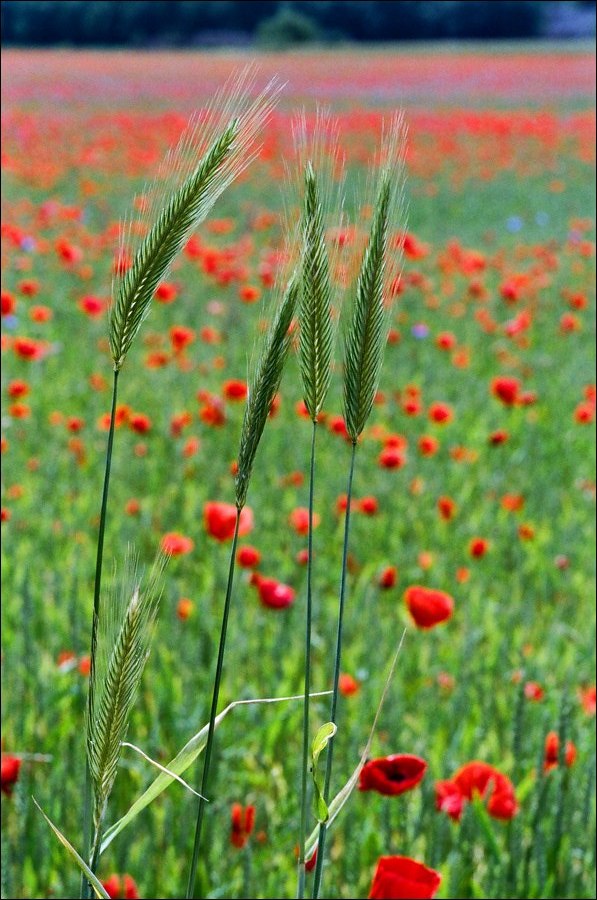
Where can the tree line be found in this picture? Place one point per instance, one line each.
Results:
(196, 22)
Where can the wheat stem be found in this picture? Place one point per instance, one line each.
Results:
(213, 712)
(87, 823)
(337, 662)
(307, 697)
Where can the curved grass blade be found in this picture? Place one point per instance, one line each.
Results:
(91, 878)
(341, 798)
(181, 762)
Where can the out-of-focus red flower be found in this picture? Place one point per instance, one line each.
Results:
(181, 337)
(388, 577)
(249, 293)
(428, 445)
(242, 822)
(18, 388)
(428, 607)
(446, 508)
(121, 887)
(184, 608)
(84, 666)
(391, 458)
(166, 292)
(441, 413)
(588, 699)
(248, 557)
(446, 340)
(220, 520)
(91, 306)
(506, 389)
(552, 751)
(534, 691)
(476, 779)
(403, 878)
(299, 520)
(273, 593)
(176, 544)
(392, 775)
(9, 773)
(367, 505)
(498, 437)
(9, 304)
(235, 389)
(348, 685)
(139, 423)
(584, 413)
(478, 547)
(28, 348)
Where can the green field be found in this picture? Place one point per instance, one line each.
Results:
(498, 281)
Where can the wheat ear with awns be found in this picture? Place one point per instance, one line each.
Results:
(223, 140)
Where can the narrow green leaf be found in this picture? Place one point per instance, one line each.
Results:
(93, 880)
(484, 821)
(180, 763)
(321, 740)
(343, 795)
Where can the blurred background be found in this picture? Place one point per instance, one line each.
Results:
(280, 24)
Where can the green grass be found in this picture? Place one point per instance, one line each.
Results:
(518, 618)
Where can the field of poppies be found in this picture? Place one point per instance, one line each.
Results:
(471, 544)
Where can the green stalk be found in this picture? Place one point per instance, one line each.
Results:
(87, 825)
(307, 700)
(330, 749)
(214, 708)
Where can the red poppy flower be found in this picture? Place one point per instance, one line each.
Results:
(533, 691)
(91, 306)
(392, 775)
(165, 292)
(428, 445)
(121, 887)
(368, 505)
(242, 821)
(235, 389)
(273, 593)
(506, 389)
(428, 607)
(552, 751)
(248, 557)
(9, 304)
(498, 437)
(181, 337)
(184, 608)
(9, 773)
(474, 779)
(446, 340)
(446, 508)
(176, 544)
(478, 547)
(347, 685)
(220, 520)
(588, 699)
(391, 458)
(440, 413)
(398, 877)
(140, 423)
(299, 519)
(584, 413)
(29, 348)
(388, 577)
